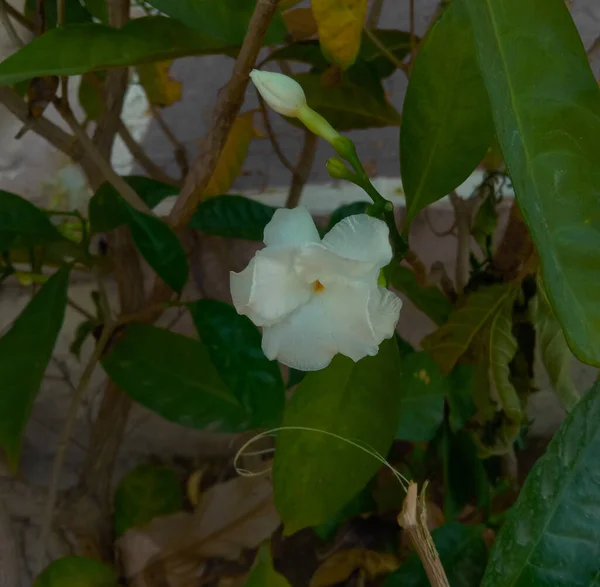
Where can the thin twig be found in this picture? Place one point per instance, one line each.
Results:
(302, 170)
(80, 309)
(594, 50)
(124, 189)
(413, 519)
(63, 442)
(413, 39)
(178, 147)
(384, 50)
(272, 138)
(227, 108)
(14, 13)
(374, 14)
(151, 168)
(8, 25)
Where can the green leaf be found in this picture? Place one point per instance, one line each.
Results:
(551, 536)
(460, 396)
(421, 394)
(485, 224)
(449, 342)
(553, 350)
(430, 299)
(233, 217)
(24, 354)
(226, 20)
(346, 210)
(76, 571)
(446, 120)
(23, 225)
(74, 12)
(263, 574)
(348, 106)
(90, 95)
(234, 345)
(503, 347)
(160, 247)
(156, 241)
(98, 9)
(462, 553)
(316, 474)
(85, 329)
(145, 493)
(173, 376)
(548, 125)
(76, 49)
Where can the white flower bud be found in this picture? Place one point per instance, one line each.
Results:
(282, 93)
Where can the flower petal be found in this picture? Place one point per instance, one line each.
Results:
(269, 289)
(361, 238)
(337, 320)
(291, 227)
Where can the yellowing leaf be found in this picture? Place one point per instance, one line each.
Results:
(160, 88)
(300, 23)
(338, 567)
(340, 24)
(232, 156)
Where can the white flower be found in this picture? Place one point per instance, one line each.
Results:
(282, 93)
(315, 298)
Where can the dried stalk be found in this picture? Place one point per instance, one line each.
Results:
(413, 519)
(302, 170)
(8, 25)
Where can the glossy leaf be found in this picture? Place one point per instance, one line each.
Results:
(447, 124)
(263, 574)
(421, 394)
(161, 89)
(462, 554)
(553, 350)
(232, 156)
(347, 106)
(548, 125)
(355, 401)
(449, 342)
(76, 571)
(24, 354)
(233, 216)
(345, 211)
(226, 20)
(430, 299)
(145, 493)
(173, 376)
(551, 536)
(23, 225)
(503, 346)
(234, 345)
(90, 47)
(340, 24)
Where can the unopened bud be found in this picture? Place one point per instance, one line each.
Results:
(282, 93)
(337, 169)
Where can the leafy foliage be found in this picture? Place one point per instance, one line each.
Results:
(263, 574)
(77, 571)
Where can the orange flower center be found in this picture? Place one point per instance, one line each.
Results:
(318, 287)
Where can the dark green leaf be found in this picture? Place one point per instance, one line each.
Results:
(233, 217)
(347, 106)
(76, 49)
(90, 95)
(552, 534)
(160, 247)
(23, 225)
(84, 330)
(548, 125)
(316, 474)
(76, 571)
(446, 124)
(145, 493)
(484, 227)
(430, 300)
(173, 376)
(421, 394)
(462, 553)
(24, 354)
(449, 342)
(460, 396)
(153, 192)
(74, 12)
(345, 211)
(404, 347)
(553, 350)
(98, 9)
(227, 20)
(295, 377)
(234, 345)
(263, 574)
(396, 42)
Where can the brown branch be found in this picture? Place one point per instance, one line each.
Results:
(374, 14)
(138, 153)
(272, 138)
(8, 25)
(178, 147)
(594, 50)
(14, 13)
(413, 519)
(302, 170)
(227, 108)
